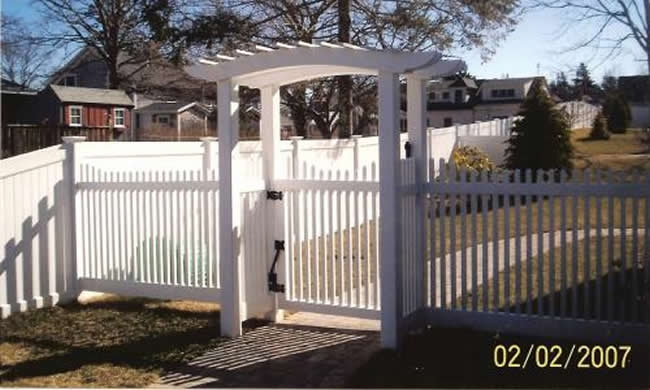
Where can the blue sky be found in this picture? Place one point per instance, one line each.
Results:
(537, 41)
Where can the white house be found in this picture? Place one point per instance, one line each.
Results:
(465, 100)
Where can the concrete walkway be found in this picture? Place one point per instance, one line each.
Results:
(290, 354)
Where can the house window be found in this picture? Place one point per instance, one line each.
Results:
(502, 93)
(433, 96)
(445, 96)
(118, 114)
(447, 122)
(163, 119)
(69, 80)
(428, 122)
(75, 116)
(458, 96)
(137, 121)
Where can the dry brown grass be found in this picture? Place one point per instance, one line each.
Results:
(106, 342)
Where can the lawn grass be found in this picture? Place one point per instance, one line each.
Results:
(628, 301)
(622, 152)
(110, 342)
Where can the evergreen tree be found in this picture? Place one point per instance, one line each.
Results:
(617, 112)
(560, 87)
(599, 128)
(583, 84)
(541, 139)
(609, 84)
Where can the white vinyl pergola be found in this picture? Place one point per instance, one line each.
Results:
(270, 68)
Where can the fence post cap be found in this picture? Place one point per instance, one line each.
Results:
(356, 136)
(70, 139)
(208, 139)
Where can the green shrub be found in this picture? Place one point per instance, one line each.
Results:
(599, 128)
(541, 139)
(617, 113)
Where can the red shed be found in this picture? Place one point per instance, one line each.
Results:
(87, 107)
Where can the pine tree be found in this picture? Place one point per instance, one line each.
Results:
(617, 112)
(541, 139)
(561, 87)
(583, 84)
(599, 128)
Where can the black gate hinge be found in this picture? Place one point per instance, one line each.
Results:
(273, 276)
(274, 195)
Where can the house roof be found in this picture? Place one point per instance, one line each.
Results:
(155, 77)
(113, 97)
(8, 86)
(475, 92)
(173, 107)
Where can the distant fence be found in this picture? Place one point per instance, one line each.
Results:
(18, 139)
(581, 114)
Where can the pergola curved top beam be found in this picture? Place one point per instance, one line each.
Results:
(288, 64)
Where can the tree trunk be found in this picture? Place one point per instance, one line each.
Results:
(113, 77)
(646, 5)
(344, 83)
(298, 112)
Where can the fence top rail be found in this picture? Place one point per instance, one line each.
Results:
(325, 185)
(633, 190)
(40, 158)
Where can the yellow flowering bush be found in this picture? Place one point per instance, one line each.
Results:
(472, 159)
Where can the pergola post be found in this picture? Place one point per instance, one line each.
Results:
(389, 208)
(230, 261)
(417, 132)
(270, 134)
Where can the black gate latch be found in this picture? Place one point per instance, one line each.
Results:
(274, 195)
(273, 277)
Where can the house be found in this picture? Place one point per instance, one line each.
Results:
(465, 100)
(17, 103)
(85, 107)
(153, 79)
(636, 90)
(174, 120)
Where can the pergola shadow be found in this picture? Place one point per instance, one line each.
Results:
(279, 355)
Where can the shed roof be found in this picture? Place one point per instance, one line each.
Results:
(173, 106)
(114, 97)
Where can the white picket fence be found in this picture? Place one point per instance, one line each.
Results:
(496, 251)
(507, 251)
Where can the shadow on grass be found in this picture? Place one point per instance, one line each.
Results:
(136, 333)
(624, 296)
(458, 357)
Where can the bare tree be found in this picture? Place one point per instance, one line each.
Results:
(602, 17)
(402, 25)
(25, 59)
